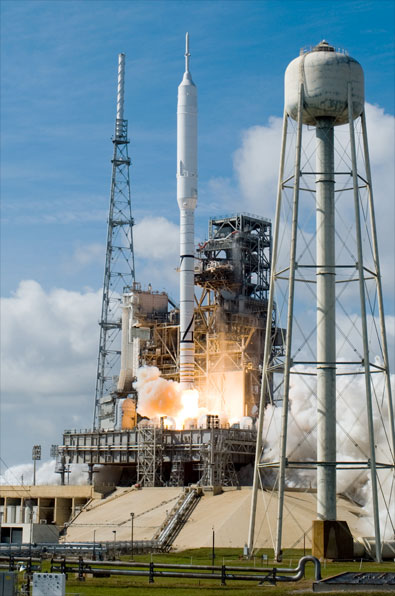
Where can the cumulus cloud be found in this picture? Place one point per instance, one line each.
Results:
(85, 254)
(253, 187)
(256, 166)
(46, 338)
(156, 238)
(49, 344)
(156, 244)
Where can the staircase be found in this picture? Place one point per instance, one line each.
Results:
(177, 518)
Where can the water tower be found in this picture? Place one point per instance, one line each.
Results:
(326, 274)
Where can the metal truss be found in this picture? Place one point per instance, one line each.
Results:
(149, 456)
(119, 270)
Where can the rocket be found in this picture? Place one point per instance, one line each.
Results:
(187, 198)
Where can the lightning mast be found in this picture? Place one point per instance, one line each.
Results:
(119, 267)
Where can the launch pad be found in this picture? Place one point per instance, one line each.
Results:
(157, 456)
(231, 287)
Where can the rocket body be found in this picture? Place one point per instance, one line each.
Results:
(187, 199)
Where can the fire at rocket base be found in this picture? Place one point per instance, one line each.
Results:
(187, 199)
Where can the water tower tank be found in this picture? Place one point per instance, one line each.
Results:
(325, 74)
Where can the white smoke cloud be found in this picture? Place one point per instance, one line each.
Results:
(45, 474)
(22, 474)
(156, 396)
(352, 441)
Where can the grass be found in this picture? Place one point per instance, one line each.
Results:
(123, 586)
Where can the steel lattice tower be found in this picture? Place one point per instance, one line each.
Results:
(119, 267)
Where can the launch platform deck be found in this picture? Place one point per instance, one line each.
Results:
(158, 456)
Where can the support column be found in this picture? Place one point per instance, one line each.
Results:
(326, 321)
(90, 474)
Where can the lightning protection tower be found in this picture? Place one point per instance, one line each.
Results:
(119, 267)
(326, 283)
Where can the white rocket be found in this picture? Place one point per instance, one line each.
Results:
(187, 199)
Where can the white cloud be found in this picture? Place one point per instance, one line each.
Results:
(85, 254)
(156, 238)
(156, 244)
(255, 165)
(49, 349)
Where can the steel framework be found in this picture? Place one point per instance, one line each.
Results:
(119, 272)
(156, 456)
(359, 266)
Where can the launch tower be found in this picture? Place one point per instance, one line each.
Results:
(119, 266)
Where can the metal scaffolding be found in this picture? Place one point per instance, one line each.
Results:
(149, 456)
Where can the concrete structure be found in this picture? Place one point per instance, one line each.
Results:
(43, 504)
(324, 88)
(227, 512)
(187, 175)
(21, 533)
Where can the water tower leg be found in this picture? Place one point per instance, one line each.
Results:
(288, 348)
(380, 301)
(268, 341)
(368, 388)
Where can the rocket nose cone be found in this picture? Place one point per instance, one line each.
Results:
(187, 79)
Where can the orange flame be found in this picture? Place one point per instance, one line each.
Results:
(189, 406)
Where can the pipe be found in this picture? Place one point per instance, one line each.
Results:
(271, 573)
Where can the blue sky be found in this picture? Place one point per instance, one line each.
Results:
(58, 86)
(58, 82)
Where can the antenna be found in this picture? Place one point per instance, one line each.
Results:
(120, 97)
(187, 54)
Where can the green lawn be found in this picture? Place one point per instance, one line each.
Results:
(122, 586)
